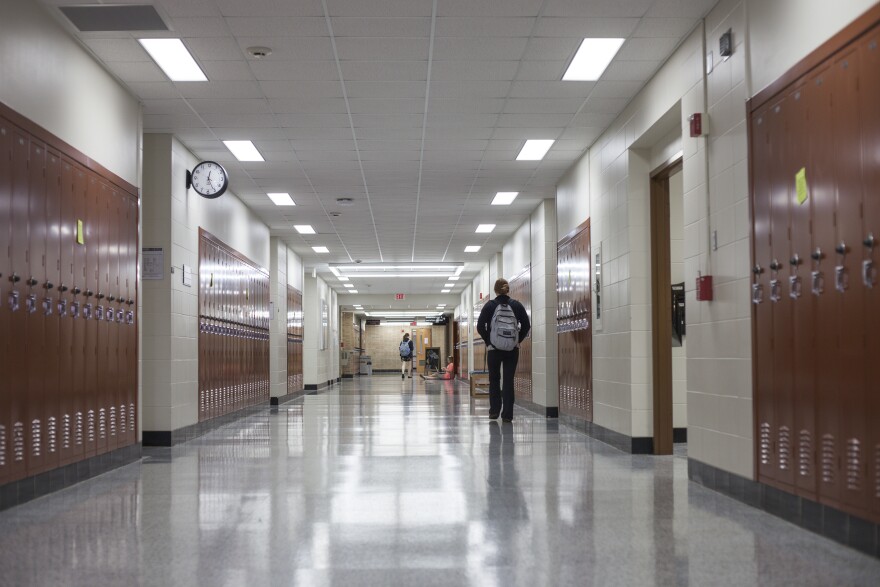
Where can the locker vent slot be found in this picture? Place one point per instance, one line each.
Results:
(827, 458)
(784, 448)
(2, 445)
(805, 453)
(853, 464)
(122, 420)
(18, 442)
(765, 443)
(112, 420)
(877, 471)
(52, 434)
(36, 438)
(79, 428)
(131, 418)
(90, 426)
(65, 431)
(102, 423)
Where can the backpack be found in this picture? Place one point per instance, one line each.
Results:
(405, 351)
(504, 328)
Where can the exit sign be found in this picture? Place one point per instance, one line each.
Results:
(399, 296)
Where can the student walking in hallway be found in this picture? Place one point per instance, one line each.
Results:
(407, 349)
(503, 324)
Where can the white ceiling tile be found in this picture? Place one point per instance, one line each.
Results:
(382, 49)
(369, 8)
(479, 49)
(274, 8)
(386, 106)
(593, 119)
(215, 48)
(647, 49)
(384, 70)
(552, 48)
(489, 8)
(201, 26)
(534, 120)
(472, 106)
(260, 26)
(541, 70)
(680, 8)
(558, 89)
(630, 70)
(579, 28)
(154, 90)
(313, 120)
(137, 71)
(469, 89)
(379, 26)
(543, 106)
(384, 90)
(117, 49)
(473, 70)
(295, 90)
(665, 27)
(597, 8)
(219, 71)
(304, 71)
(616, 89)
(227, 89)
(307, 106)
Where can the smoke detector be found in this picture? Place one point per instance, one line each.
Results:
(258, 52)
(345, 201)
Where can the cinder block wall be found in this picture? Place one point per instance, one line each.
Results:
(382, 343)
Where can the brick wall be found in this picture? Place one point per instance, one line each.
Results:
(382, 343)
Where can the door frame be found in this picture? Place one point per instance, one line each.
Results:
(661, 302)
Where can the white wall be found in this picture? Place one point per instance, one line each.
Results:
(517, 251)
(573, 198)
(319, 365)
(278, 252)
(544, 239)
(676, 257)
(172, 218)
(46, 76)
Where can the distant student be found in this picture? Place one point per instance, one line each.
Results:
(447, 373)
(406, 356)
(503, 324)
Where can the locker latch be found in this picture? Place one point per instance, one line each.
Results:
(87, 312)
(74, 309)
(47, 306)
(757, 288)
(120, 316)
(111, 315)
(794, 281)
(62, 308)
(774, 283)
(817, 279)
(841, 279)
(868, 273)
(14, 304)
(129, 317)
(31, 303)
(99, 313)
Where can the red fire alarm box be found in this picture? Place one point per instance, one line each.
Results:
(696, 121)
(704, 288)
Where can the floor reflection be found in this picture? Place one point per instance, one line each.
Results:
(388, 482)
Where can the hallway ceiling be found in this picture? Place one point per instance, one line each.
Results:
(416, 109)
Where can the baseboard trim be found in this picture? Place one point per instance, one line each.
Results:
(679, 435)
(27, 489)
(193, 431)
(283, 399)
(628, 444)
(841, 527)
(547, 412)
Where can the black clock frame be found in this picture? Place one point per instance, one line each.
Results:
(219, 192)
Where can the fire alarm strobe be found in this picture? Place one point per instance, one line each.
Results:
(704, 288)
(696, 121)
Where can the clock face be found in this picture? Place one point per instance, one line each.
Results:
(209, 179)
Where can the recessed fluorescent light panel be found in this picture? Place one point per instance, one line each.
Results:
(352, 291)
(534, 150)
(504, 198)
(321, 249)
(177, 63)
(304, 228)
(244, 150)
(471, 248)
(281, 199)
(485, 228)
(341, 278)
(454, 278)
(448, 285)
(591, 59)
(444, 291)
(348, 284)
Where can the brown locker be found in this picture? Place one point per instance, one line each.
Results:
(762, 313)
(91, 219)
(869, 98)
(17, 349)
(6, 421)
(521, 290)
(111, 367)
(574, 327)
(79, 323)
(797, 288)
(65, 345)
(104, 385)
(52, 384)
(846, 154)
(128, 411)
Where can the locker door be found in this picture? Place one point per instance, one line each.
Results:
(121, 324)
(6, 404)
(65, 345)
(797, 288)
(19, 273)
(869, 87)
(112, 292)
(104, 385)
(36, 319)
(50, 308)
(91, 220)
(762, 308)
(79, 287)
(847, 167)
(132, 322)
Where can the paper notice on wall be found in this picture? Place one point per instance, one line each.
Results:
(153, 263)
(800, 185)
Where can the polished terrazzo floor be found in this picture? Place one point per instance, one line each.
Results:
(388, 482)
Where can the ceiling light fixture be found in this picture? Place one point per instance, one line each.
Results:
(448, 285)
(591, 59)
(471, 248)
(348, 285)
(321, 249)
(244, 150)
(342, 278)
(174, 59)
(453, 278)
(534, 150)
(281, 199)
(504, 198)
(407, 275)
(380, 267)
(352, 291)
(444, 291)
(485, 228)
(304, 228)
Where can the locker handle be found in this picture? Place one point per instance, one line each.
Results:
(89, 293)
(757, 270)
(841, 249)
(795, 261)
(817, 255)
(112, 298)
(76, 291)
(775, 265)
(14, 278)
(62, 288)
(100, 296)
(48, 285)
(31, 281)
(130, 302)
(869, 241)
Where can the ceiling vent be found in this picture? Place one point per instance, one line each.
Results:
(134, 17)
(345, 201)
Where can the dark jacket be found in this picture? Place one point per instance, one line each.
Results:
(484, 322)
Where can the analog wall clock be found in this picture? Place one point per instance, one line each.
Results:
(208, 179)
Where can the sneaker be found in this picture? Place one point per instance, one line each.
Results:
(402, 376)
(493, 416)
(507, 420)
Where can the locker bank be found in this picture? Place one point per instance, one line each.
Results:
(219, 219)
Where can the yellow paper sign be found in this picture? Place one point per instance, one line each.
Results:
(800, 185)
(80, 236)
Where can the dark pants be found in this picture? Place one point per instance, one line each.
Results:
(501, 389)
